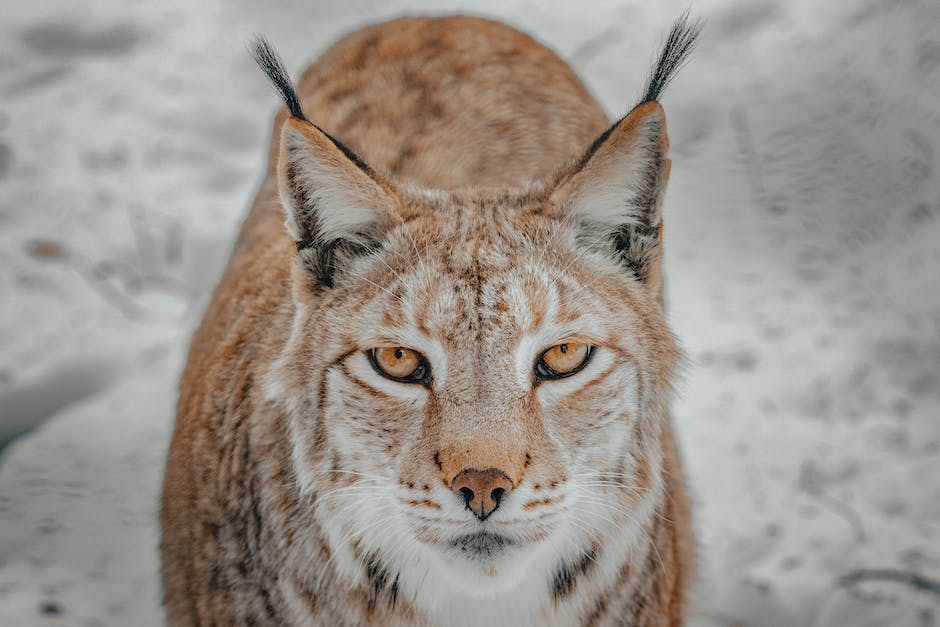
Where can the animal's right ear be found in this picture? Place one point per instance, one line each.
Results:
(336, 205)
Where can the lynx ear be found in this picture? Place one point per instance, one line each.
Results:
(615, 190)
(336, 205)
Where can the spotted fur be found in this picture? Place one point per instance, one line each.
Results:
(499, 214)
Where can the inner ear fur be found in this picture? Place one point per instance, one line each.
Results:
(336, 205)
(614, 192)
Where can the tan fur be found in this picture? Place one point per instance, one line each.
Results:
(275, 417)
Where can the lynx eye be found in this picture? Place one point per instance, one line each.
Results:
(399, 364)
(562, 360)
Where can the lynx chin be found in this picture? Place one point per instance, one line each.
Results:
(440, 395)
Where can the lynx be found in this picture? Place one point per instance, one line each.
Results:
(440, 395)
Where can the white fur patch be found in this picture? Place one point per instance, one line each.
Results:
(610, 191)
(335, 194)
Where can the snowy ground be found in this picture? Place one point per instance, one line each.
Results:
(803, 232)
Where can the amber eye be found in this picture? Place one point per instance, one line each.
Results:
(562, 360)
(400, 363)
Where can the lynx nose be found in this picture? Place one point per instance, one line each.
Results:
(482, 490)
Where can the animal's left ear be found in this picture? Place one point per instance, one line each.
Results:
(615, 191)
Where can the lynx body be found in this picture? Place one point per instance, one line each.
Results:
(440, 395)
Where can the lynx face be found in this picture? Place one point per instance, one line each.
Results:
(434, 407)
(472, 379)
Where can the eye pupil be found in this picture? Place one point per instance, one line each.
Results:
(563, 348)
(399, 353)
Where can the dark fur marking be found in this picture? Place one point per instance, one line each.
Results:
(255, 498)
(597, 143)
(269, 609)
(321, 398)
(393, 591)
(675, 53)
(346, 150)
(324, 259)
(566, 576)
(272, 65)
(253, 534)
(378, 575)
(365, 49)
(482, 545)
(635, 244)
(679, 44)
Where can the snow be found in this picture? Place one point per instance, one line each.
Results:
(803, 234)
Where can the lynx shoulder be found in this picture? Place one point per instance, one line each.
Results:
(439, 394)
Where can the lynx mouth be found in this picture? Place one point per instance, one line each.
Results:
(482, 545)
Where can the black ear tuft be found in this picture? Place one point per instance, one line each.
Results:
(272, 65)
(675, 53)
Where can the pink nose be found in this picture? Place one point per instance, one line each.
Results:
(482, 490)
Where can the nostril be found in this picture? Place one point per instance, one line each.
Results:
(467, 494)
(481, 490)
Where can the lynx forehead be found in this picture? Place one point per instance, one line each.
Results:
(440, 394)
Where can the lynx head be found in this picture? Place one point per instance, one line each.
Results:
(475, 381)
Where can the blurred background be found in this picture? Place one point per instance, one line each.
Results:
(803, 265)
